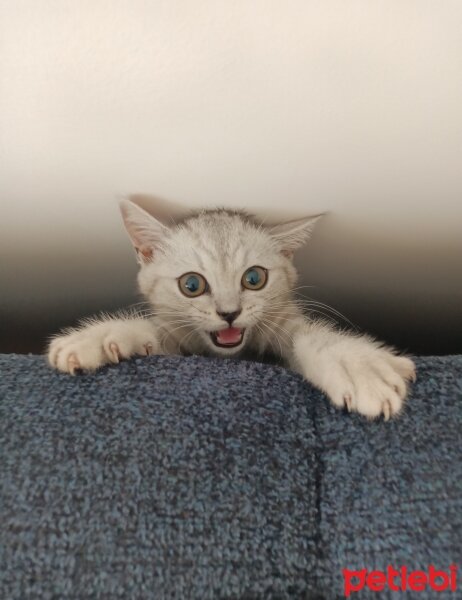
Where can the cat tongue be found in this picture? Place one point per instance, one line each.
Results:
(232, 335)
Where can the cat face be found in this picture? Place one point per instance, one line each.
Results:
(218, 277)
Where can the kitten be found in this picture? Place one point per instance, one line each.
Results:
(220, 283)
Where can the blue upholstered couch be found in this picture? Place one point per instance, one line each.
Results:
(199, 478)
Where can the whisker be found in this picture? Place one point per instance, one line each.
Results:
(283, 329)
(169, 332)
(263, 336)
(271, 324)
(306, 303)
(273, 334)
(330, 308)
(188, 335)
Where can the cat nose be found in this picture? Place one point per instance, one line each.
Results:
(229, 317)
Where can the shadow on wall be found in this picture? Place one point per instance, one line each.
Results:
(394, 285)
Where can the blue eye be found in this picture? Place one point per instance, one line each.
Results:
(192, 284)
(254, 278)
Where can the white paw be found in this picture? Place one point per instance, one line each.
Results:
(101, 343)
(372, 384)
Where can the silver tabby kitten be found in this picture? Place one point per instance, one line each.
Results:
(219, 283)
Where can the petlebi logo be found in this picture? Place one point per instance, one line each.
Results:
(400, 579)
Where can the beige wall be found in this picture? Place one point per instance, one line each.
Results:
(281, 107)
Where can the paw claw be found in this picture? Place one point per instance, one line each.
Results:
(386, 410)
(368, 380)
(348, 402)
(107, 342)
(73, 364)
(115, 352)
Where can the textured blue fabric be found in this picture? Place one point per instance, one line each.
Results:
(169, 477)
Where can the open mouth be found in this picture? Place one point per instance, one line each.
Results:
(228, 338)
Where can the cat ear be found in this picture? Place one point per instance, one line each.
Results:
(146, 232)
(291, 235)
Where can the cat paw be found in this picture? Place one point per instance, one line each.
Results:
(98, 344)
(374, 384)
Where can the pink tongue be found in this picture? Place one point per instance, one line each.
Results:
(232, 335)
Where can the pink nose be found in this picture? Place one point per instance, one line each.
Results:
(229, 317)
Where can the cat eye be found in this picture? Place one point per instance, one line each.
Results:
(192, 285)
(255, 278)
